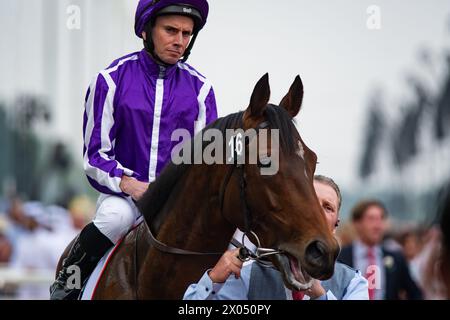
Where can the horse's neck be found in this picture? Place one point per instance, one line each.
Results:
(192, 218)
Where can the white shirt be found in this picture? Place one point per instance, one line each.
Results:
(237, 289)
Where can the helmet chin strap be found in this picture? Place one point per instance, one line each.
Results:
(150, 47)
(187, 52)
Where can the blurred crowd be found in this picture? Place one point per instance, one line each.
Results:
(33, 236)
(420, 245)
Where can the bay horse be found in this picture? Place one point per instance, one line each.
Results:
(198, 208)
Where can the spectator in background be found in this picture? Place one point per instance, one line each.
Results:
(387, 271)
(5, 245)
(43, 236)
(81, 210)
(412, 243)
(6, 290)
(427, 263)
(20, 224)
(390, 241)
(37, 249)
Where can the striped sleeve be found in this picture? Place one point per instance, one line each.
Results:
(207, 109)
(103, 171)
(211, 107)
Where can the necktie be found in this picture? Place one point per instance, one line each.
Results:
(370, 272)
(297, 295)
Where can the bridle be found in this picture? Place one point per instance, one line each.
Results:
(245, 253)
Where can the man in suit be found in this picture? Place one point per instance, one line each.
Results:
(386, 271)
(230, 279)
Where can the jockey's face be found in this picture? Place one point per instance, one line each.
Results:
(329, 202)
(171, 35)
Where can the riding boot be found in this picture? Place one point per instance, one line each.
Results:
(87, 250)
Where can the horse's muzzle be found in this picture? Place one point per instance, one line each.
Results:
(320, 259)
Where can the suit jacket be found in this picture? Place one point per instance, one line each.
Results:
(398, 277)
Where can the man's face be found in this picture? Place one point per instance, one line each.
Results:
(171, 35)
(329, 202)
(371, 226)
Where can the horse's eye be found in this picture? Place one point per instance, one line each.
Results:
(264, 162)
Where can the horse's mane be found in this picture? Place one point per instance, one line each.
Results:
(159, 191)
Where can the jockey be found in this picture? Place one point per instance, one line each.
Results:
(131, 110)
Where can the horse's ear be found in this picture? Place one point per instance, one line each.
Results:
(260, 97)
(293, 100)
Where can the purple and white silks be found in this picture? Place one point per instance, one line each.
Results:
(132, 108)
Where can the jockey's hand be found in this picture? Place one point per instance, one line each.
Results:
(316, 290)
(229, 263)
(133, 187)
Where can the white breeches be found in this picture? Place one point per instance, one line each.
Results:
(115, 216)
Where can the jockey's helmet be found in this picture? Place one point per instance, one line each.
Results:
(148, 10)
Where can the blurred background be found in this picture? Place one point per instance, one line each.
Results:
(376, 108)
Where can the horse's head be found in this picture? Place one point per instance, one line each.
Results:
(285, 212)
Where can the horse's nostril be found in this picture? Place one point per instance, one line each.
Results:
(315, 250)
(319, 262)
